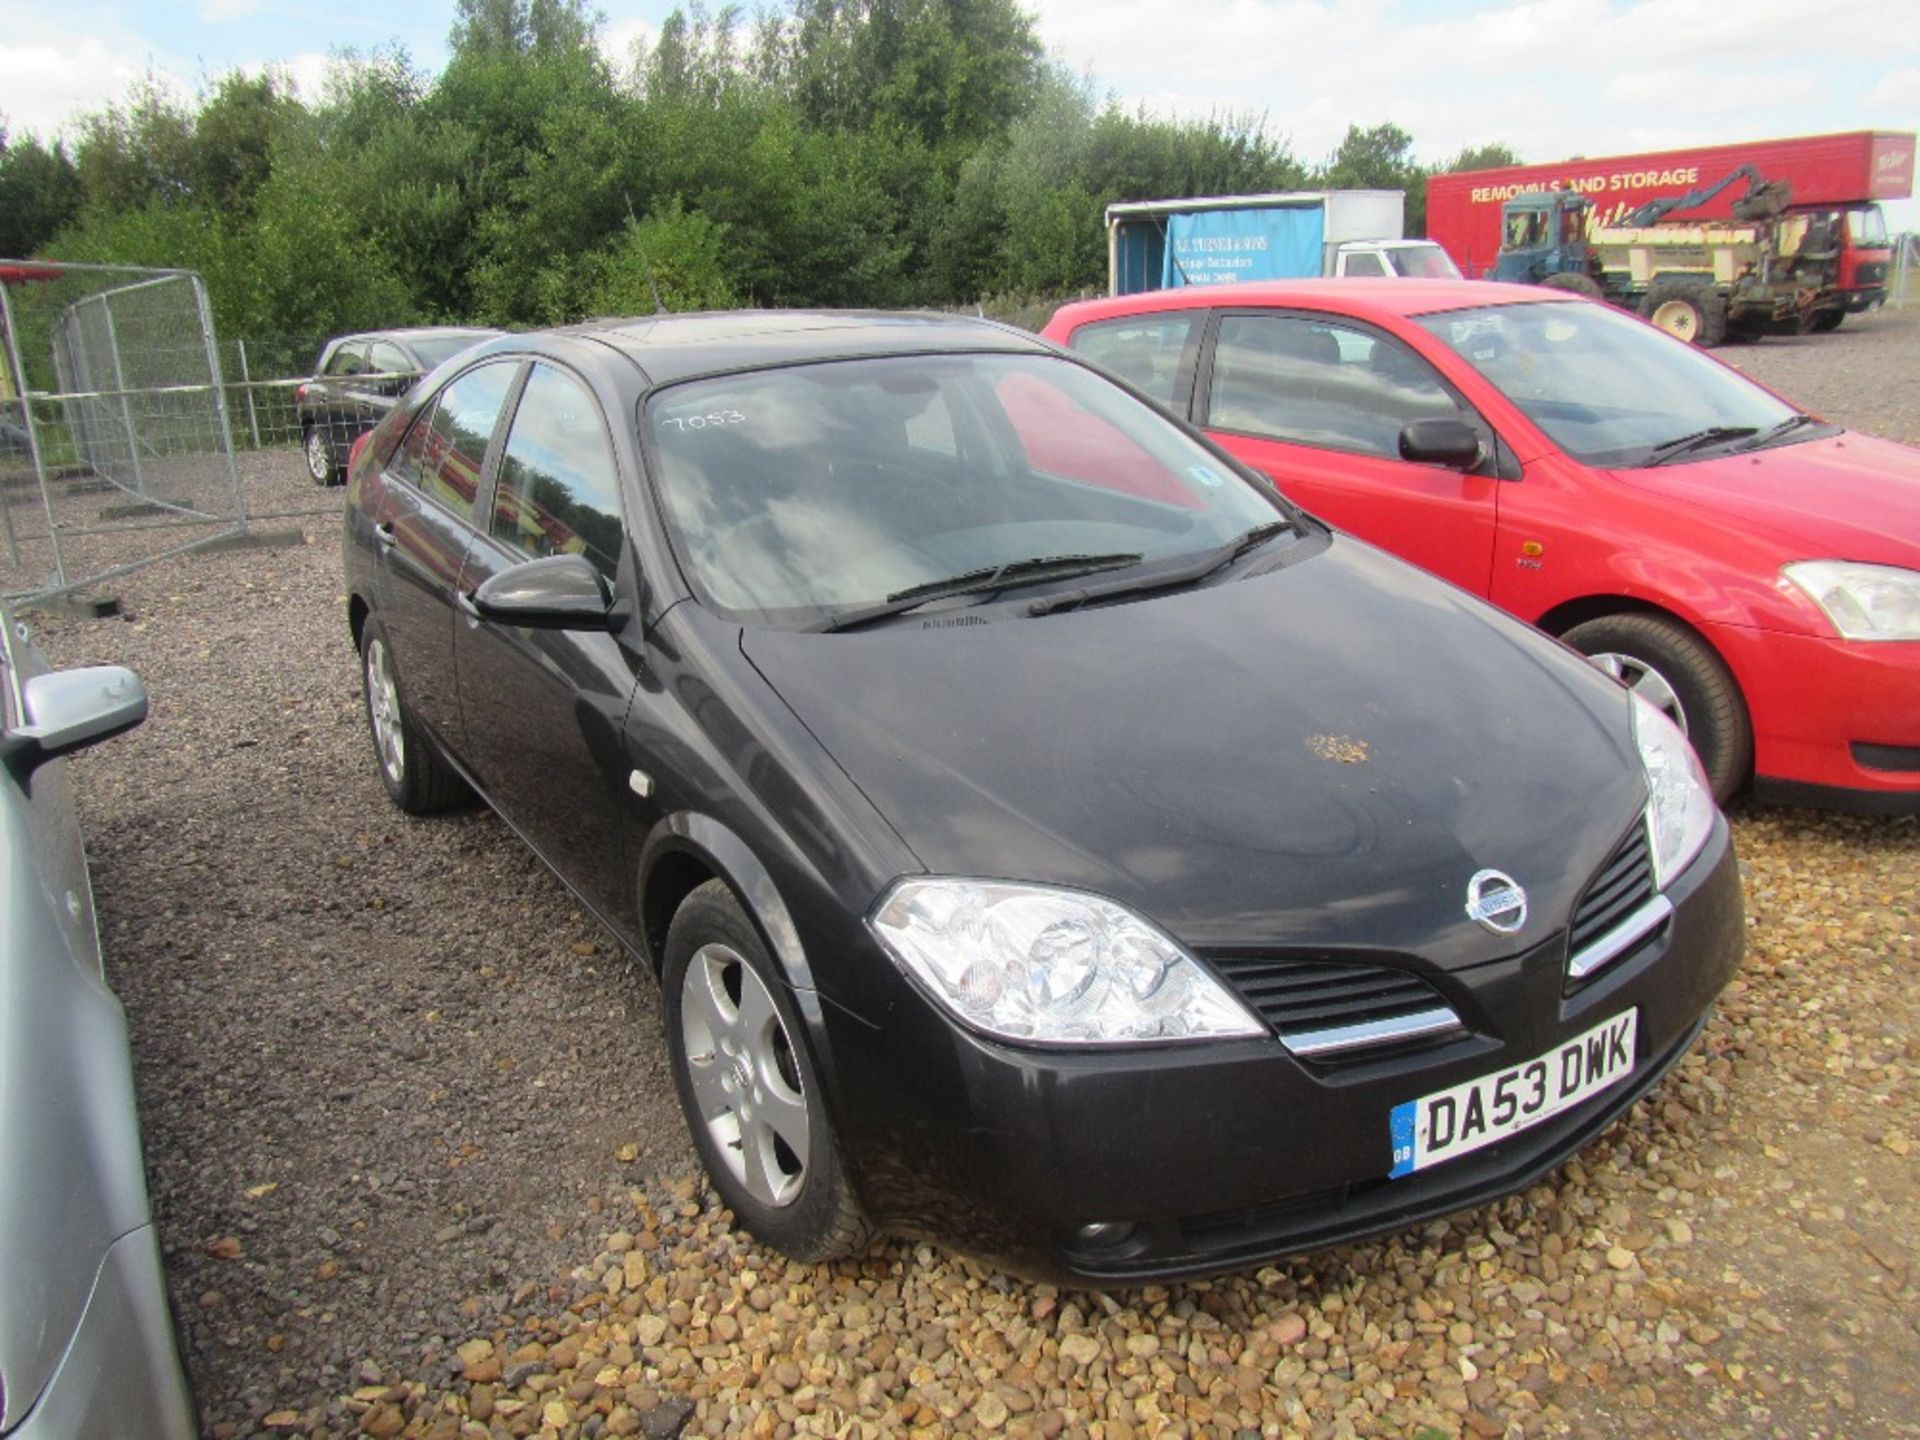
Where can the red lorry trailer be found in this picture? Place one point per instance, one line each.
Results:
(1837, 173)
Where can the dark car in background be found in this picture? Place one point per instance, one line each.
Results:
(1046, 837)
(356, 381)
(86, 1335)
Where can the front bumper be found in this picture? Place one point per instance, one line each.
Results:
(121, 1373)
(1836, 723)
(1223, 1155)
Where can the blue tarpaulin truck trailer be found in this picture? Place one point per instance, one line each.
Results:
(1217, 239)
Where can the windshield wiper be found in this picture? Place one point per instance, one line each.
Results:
(1785, 428)
(1033, 571)
(1699, 440)
(1196, 569)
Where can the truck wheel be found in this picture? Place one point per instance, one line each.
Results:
(1576, 283)
(1689, 310)
(1670, 666)
(1826, 321)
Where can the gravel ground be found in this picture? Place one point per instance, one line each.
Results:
(418, 1168)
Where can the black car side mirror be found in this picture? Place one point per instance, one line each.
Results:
(557, 592)
(1453, 443)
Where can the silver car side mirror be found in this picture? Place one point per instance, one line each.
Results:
(68, 710)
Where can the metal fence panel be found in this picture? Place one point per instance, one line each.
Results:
(118, 446)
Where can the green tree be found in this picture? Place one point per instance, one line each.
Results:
(1491, 156)
(680, 253)
(522, 27)
(39, 193)
(1380, 157)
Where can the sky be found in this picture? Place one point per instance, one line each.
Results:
(1551, 78)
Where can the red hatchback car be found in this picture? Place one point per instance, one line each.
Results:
(1753, 570)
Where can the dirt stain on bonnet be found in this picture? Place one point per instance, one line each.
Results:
(1342, 749)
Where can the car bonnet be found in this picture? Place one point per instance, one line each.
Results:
(1323, 754)
(1842, 497)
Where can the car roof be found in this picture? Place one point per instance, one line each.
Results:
(1350, 295)
(404, 333)
(677, 347)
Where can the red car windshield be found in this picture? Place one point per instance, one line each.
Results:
(1607, 388)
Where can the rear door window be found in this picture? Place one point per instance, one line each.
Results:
(1305, 380)
(349, 359)
(447, 446)
(558, 491)
(386, 358)
(1152, 353)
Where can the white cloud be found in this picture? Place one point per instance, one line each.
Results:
(619, 41)
(218, 10)
(1897, 93)
(47, 82)
(1550, 77)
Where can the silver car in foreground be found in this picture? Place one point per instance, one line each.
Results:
(86, 1337)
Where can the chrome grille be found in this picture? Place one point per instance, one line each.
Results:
(1620, 911)
(1624, 884)
(1323, 1008)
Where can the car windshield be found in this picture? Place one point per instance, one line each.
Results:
(1422, 262)
(1607, 388)
(802, 494)
(433, 349)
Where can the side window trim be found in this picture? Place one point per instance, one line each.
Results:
(1497, 462)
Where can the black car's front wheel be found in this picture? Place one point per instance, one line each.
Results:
(417, 779)
(749, 1086)
(320, 462)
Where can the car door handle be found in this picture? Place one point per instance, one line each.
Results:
(384, 537)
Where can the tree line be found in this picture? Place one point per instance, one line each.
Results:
(832, 152)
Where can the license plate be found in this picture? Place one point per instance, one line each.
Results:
(1461, 1119)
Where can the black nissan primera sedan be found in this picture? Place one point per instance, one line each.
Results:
(1047, 838)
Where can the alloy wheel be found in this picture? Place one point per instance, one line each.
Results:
(383, 709)
(319, 457)
(1645, 681)
(745, 1080)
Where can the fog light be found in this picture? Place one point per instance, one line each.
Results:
(1103, 1234)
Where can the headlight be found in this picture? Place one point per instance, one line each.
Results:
(1864, 602)
(1025, 962)
(1680, 805)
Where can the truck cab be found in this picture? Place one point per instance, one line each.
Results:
(1543, 233)
(1410, 259)
(1864, 255)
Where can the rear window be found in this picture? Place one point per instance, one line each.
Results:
(1149, 352)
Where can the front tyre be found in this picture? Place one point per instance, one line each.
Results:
(749, 1087)
(1670, 666)
(417, 779)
